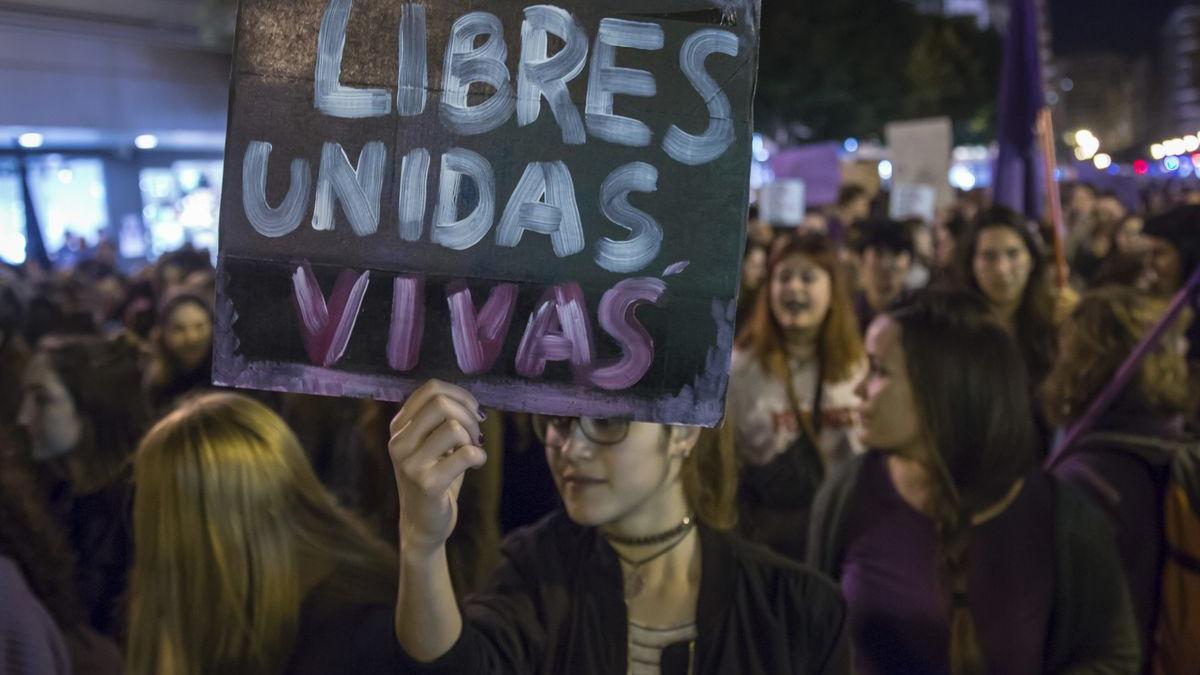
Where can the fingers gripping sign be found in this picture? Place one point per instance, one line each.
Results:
(435, 440)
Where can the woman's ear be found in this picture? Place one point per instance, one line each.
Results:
(682, 440)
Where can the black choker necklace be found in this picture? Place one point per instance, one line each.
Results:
(653, 539)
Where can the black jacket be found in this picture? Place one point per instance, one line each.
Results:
(556, 606)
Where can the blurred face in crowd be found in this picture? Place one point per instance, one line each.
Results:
(1129, 236)
(884, 272)
(923, 242)
(944, 247)
(889, 410)
(801, 291)
(187, 334)
(607, 470)
(760, 232)
(1109, 211)
(48, 413)
(815, 222)
(858, 209)
(1164, 268)
(754, 269)
(1082, 200)
(1001, 265)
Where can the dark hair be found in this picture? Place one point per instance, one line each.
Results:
(32, 538)
(104, 381)
(1034, 320)
(57, 308)
(850, 192)
(973, 402)
(1181, 227)
(957, 226)
(839, 345)
(884, 235)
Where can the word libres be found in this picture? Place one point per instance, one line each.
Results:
(558, 329)
(544, 199)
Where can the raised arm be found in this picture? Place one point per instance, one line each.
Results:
(435, 440)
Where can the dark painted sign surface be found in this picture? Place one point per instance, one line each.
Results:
(542, 203)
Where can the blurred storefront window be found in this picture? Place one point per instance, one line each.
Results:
(181, 205)
(12, 214)
(71, 204)
(69, 199)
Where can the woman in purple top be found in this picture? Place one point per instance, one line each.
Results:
(954, 553)
(1124, 461)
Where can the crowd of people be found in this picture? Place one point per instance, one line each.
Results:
(890, 492)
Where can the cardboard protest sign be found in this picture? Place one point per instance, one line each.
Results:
(782, 203)
(543, 203)
(921, 154)
(913, 201)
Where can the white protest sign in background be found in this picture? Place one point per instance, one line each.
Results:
(782, 203)
(913, 201)
(921, 152)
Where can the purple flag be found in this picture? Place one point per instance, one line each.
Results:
(1019, 166)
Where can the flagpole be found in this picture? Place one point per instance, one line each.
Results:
(1053, 197)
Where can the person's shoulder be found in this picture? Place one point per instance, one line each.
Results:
(785, 583)
(1078, 518)
(554, 532)
(345, 637)
(768, 569)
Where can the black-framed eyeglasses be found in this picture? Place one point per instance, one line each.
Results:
(601, 431)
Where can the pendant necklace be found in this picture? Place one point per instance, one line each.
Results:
(635, 581)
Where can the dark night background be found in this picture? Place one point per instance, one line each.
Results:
(1126, 26)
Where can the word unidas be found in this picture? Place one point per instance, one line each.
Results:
(544, 200)
(559, 328)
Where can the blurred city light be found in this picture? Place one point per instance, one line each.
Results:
(1102, 161)
(885, 170)
(146, 142)
(31, 140)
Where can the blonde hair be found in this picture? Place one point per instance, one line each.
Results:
(1103, 330)
(232, 533)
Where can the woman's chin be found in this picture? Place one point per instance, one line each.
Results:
(584, 515)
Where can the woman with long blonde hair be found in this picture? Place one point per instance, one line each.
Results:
(243, 562)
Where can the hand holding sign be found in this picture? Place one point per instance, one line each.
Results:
(435, 440)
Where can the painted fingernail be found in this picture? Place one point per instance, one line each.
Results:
(480, 414)
(479, 440)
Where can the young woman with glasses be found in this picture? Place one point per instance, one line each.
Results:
(637, 574)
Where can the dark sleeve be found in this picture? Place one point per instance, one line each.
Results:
(503, 626)
(1093, 626)
(826, 525)
(825, 651)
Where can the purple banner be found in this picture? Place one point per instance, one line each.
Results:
(817, 165)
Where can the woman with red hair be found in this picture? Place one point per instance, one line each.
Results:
(791, 392)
